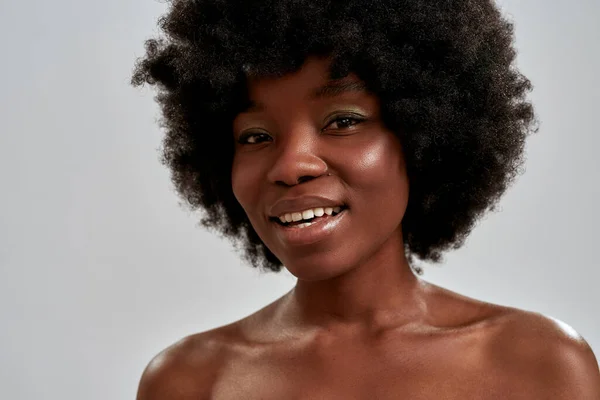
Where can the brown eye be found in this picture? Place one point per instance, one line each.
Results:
(345, 121)
(252, 138)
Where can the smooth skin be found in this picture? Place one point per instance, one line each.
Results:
(359, 324)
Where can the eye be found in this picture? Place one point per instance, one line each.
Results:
(345, 121)
(251, 138)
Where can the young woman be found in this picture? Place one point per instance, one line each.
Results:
(342, 140)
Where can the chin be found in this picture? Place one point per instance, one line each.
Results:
(317, 268)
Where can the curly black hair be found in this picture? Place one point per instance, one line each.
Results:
(442, 69)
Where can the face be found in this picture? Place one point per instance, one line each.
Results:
(299, 149)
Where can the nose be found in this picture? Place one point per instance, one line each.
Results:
(297, 159)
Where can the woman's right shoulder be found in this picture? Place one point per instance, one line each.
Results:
(185, 370)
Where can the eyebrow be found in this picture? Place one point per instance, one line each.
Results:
(335, 88)
(332, 88)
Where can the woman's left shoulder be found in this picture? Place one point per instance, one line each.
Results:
(524, 324)
(547, 356)
(530, 330)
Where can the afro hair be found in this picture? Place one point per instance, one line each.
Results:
(443, 71)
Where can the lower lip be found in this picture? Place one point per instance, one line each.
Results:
(318, 230)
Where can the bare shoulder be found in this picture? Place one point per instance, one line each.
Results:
(543, 357)
(528, 354)
(185, 370)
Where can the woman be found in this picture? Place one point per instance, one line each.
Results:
(343, 140)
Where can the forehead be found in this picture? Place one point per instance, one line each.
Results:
(310, 82)
(328, 89)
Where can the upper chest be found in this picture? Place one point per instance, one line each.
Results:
(430, 366)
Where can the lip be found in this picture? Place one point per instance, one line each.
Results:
(319, 230)
(299, 204)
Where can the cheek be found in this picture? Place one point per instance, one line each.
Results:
(381, 163)
(379, 176)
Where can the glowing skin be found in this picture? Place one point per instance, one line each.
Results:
(360, 267)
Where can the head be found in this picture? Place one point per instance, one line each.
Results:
(426, 144)
(300, 140)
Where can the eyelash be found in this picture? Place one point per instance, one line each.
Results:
(355, 121)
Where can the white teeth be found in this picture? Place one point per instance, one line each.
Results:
(296, 216)
(309, 214)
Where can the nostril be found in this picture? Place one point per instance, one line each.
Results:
(305, 178)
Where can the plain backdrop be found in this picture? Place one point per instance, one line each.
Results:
(100, 268)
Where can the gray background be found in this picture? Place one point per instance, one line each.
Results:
(100, 268)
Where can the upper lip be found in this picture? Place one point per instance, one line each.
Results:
(299, 204)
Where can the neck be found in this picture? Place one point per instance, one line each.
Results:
(380, 292)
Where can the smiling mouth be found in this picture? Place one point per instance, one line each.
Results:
(307, 222)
